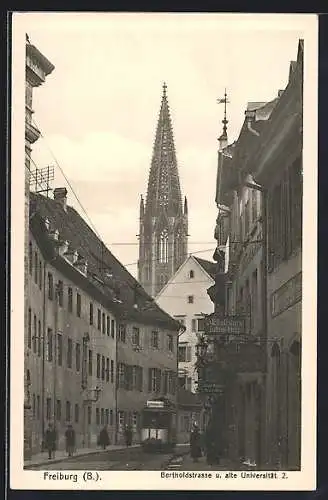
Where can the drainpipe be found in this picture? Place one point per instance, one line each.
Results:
(116, 383)
(43, 356)
(55, 355)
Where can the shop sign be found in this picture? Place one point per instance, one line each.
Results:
(287, 295)
(155, 404)
(210, 388)
(225, 325)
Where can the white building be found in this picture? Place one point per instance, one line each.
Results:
(185, 298)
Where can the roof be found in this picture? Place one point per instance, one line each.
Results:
(188, 398)
(105, 273)
(208, 266)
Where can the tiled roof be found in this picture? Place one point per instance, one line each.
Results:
(105, 272)
(209, 267)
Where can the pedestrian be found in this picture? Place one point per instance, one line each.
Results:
(50, 441)
(104, 438)
(128, 435)
(70, 440)
(195, 443)
(210, 443)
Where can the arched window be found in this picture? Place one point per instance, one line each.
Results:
(163, 247)
(191, 273)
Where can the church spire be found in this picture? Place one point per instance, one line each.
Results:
(164, 192)
(163, 217)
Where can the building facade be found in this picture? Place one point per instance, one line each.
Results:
(97, 346)
(259, 198)
(163, 218)
(185, 298)
(37, 68)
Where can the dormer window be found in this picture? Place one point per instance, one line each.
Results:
(191, 274)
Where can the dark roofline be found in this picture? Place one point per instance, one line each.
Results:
(47, 66)
(124, 310)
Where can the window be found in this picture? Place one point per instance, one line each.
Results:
(38, 407)
(68, 411)
(154, 380)
(107, 369)
(111, 419)
(107, 416)
(112, 371)
(254, 205)
(76, 413)
(50, 341)
(33, 406)
(97, 416)
(103, 323)
(135, 421)
(99, 320)
(121, 419)
(170, 342)
(108, 326)
(171, 383)
(60, 289)
(102, 416)
(29, 328)
(184, 353)
(90, 363)
(98, 365)
(60, 349)
(121, 332)
(162, 247)
(91, 313)
(201, 324)
(69, 353)
(36, 267)
(121, 375)
(191, 274)
(50, 286)
(113, 329)
(193, 325)
(35, 333)
(40, 274)
(139, 378)
(135, 336)
(89, 415)
(254, 299)
(102, 367)
(77, 357)
(247, 218)
(70, 299)
(58, 409)
(188, 384)
(30, 257)
(78, 305)
(154, 339)
(39, 338)
(190, 299)
(48, 409)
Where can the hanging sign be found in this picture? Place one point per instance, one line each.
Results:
(155, 404)
(225, 325)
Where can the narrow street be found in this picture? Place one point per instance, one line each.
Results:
(126, 459)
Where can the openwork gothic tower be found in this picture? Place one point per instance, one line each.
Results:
(163, 218)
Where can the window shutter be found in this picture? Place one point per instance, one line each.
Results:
(188, 353)
(149, 379)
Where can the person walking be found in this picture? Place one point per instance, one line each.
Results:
(50, 441)
(104, 438)
(128, 436)
(195, 443)
(70, 440)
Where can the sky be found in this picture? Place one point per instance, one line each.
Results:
(98, 110)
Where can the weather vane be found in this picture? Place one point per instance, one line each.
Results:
(224, 101)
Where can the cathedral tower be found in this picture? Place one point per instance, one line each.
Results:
(163, 216)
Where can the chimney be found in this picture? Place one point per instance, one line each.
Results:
(60, 195)
(280, 92)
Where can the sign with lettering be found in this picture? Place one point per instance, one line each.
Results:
(225, 325)
(287, 295)
(155, 404)
(209, 388)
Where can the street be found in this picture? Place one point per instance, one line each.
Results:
(125, 459)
